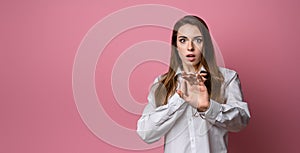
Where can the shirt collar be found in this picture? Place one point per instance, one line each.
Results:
(179, 71)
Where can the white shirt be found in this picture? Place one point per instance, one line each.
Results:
(188, 131)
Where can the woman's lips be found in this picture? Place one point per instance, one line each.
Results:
(191, 57)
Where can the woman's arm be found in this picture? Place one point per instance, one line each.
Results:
(234, 115)
(156, 122)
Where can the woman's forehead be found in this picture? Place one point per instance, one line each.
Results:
(189, 30)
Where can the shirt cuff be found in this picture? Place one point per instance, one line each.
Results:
(212, 112)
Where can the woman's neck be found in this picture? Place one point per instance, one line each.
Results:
(189, 68)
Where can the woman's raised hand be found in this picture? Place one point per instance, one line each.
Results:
(193, 90)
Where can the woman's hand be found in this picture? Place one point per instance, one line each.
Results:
(193, 90)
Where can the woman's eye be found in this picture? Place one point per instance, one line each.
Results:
(182, 40)
(198, 40)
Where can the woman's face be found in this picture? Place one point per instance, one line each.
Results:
(189, 45)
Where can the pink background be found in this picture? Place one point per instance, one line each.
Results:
(39, 41)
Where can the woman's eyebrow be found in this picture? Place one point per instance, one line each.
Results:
(198, 36)
(187, 37)
(182, 37)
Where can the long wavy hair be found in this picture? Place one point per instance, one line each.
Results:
(167, 84)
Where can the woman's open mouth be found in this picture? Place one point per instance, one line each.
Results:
(191, 57)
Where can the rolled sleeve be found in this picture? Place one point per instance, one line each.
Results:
(212, 112)
(234, 114)
(164, 113)
(155, 122)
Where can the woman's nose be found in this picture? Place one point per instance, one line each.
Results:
(190, 46)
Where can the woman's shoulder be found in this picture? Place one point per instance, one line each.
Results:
(227, 73)
(226, 70)
(157, 79)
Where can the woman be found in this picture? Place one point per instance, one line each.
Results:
(195, 103)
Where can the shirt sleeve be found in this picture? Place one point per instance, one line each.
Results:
(155, 122)
(234, 115)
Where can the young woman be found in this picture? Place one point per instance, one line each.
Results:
(196, 103)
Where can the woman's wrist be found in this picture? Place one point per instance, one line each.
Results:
(203, 108)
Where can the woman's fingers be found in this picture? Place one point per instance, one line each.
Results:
(179, 92)
(190, 78)
(186, 86)
(195, 79)
(199, 78)
(202, 78)
(183, 89)
(183, 86)
(203, 75)
(182, 94)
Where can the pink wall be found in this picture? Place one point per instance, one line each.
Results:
(39, 42)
